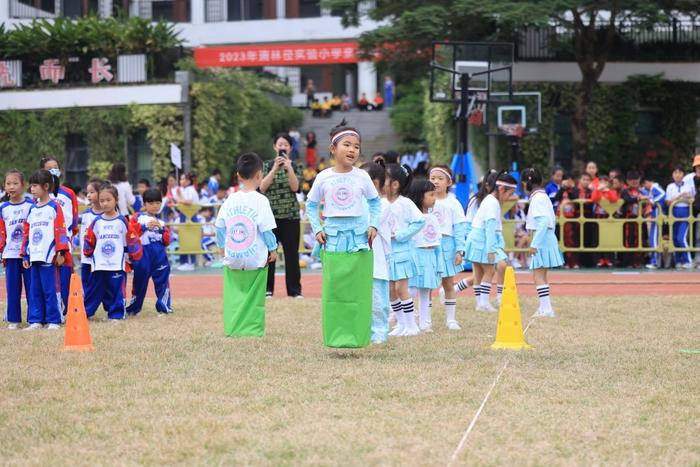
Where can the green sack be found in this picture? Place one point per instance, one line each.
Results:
(244, 302)
(347, 298)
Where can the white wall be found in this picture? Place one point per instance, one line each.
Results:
(614, 72)
(91, 97)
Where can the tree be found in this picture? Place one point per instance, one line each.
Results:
(403, 43)
(594, 26)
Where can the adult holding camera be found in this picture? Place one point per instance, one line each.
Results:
(281, 183)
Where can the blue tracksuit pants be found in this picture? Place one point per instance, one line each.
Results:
(153, 265)
(680, 234)
(64, 273)
(15, 274)
(106, 287)
(45, 303)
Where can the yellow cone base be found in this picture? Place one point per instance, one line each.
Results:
(509, 334)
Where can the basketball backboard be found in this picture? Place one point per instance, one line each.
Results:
(519, 108)
(488, 66)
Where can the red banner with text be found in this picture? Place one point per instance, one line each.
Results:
(276, 54)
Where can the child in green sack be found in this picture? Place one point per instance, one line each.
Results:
(244, 229)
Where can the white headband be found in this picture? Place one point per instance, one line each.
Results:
(440, 169)
(507, 185)
(343, 134)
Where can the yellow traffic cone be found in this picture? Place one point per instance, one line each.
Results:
(509, 334)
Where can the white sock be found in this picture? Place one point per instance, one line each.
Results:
(461, 285)
(408, 315)
(543, 293)
(485, 293)
(499, 291)
(424, 308)
(451, 310)
(398, 312)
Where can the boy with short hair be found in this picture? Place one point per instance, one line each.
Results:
(141, 187)
(244, 229)
(655, 194)
(154, 264)
(678, 194)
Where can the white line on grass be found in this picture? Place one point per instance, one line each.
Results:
(469, 429)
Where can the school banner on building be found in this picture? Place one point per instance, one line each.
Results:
(322, 53)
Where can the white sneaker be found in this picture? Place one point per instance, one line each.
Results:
(441, 292)
(651, 266)
(453, 326)
(488, 308)
(13, 326)
(428, 329)
(298, 296)
(411, 328)
(516, 264)
(688, 266)
(53, 327)
(33, 326)
(378, 342)
(540, 313)
(186, 267)
(397, 331)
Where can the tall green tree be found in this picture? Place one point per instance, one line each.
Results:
(594, 26)
(403, 40)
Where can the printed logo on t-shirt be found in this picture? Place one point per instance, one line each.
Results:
(430, 233)
(108, 249)
(439, 215)
(37, 236)
(241, 233)
(343, 196)
(17, 234)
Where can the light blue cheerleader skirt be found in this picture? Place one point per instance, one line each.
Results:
(476, 247)
(401, 261)
(430, 266)
(448, 245)
(348, 241)
(549, 255)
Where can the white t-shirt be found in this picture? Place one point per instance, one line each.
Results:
(44, 222)
(342, 193)
(245, 216)
(110, 235)
(472, 207)
(540, 206)
(430, 234)
(381, 247)
(12, 216)
(86, 219)
(126, 197)
(402, 212)
(187, 193)
(448, 212)
(489, 208)
(673, 191)
(148, 235)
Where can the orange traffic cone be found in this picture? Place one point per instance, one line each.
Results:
(77, 330)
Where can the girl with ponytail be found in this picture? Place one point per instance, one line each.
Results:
(544, 248)
(485, 242)
(405, 221)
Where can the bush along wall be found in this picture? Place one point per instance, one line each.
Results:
(232, 113)
(669, 109)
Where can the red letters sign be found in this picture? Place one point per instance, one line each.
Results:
(276, 54)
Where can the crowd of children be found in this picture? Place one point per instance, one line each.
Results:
(593, 195)
(38, 232)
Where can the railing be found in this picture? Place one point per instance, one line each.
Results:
(610, 233)
(673, 41)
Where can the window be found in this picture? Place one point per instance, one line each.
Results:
(176, 11)
(139, 158)
(77, 157)
(309, 8)
(240, 10)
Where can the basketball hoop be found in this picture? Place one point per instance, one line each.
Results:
(476, 117)
(512, 129)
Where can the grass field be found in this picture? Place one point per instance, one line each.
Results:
(605, 385)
